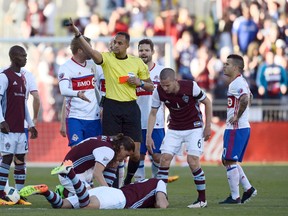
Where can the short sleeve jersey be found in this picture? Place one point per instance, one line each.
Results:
(184, 107)
(86, 153)
(114, 68)
(13, 92)
(80, 78)
(236, 89)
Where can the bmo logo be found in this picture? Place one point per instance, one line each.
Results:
(83, 83)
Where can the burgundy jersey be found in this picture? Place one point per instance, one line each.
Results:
(13, 103)
(184, 108)
(141, 194)
(82, 154)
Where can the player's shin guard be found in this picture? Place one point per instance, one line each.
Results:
(155, 168)
(199, 180)
(110, 175)
(20, 175)
(53, 198)
(233, 180)
(80, 189)
(243, 179)
(4, 172)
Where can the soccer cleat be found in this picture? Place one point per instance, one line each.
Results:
(64, 168)
(23, 201)
(6, 201)
(252, 192)
(230, 200)
(198, 204)
(172, 178)
(33, 189)
(60, 191)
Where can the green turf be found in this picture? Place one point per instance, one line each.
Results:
(270, 181)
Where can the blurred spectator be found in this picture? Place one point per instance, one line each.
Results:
(185, 52)
(119, 21)
(281, 58)
(15, 15)
(199, 68)
(97, 27)
(244, 31)
(35, 19)
(271, 78)
(140, 17)
(269, 40)
(49, 12)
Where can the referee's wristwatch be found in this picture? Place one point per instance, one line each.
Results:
(142, 83)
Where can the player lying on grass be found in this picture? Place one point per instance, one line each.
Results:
(145, 194)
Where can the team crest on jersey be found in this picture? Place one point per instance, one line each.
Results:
(240, 91)
(75, 137)
(185, 98)
(7, 146)
(61, 75)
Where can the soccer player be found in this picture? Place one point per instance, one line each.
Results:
(146, 194)
(31, 88)
(237, 133)
(182, 98)
(77, 83)
(91, 156)
(144, 100)
(13, 106)
(123, 73)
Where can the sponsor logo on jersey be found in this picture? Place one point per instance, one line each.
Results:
(83, 83)
(7, 146)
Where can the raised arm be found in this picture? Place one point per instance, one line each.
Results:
(94, 54)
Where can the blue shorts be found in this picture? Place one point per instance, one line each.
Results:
(157, 136)
(235, 143)
(79, 129)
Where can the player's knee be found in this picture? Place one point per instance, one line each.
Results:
(19, 158)
(7, 159)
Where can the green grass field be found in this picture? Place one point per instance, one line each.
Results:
(270, 181)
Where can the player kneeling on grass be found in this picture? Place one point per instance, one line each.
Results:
(95, 158)
(145, 194)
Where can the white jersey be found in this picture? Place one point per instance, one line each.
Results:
(236, 89)
(80, 78)
(144, 100)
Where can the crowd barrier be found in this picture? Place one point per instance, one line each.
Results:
(268, 144)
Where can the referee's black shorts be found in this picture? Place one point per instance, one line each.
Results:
(122, 117)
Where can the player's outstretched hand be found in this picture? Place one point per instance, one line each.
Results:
(34, 133)
(5, 127)
(81, 95)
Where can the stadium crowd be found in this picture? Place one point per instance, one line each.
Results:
(257, 29)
